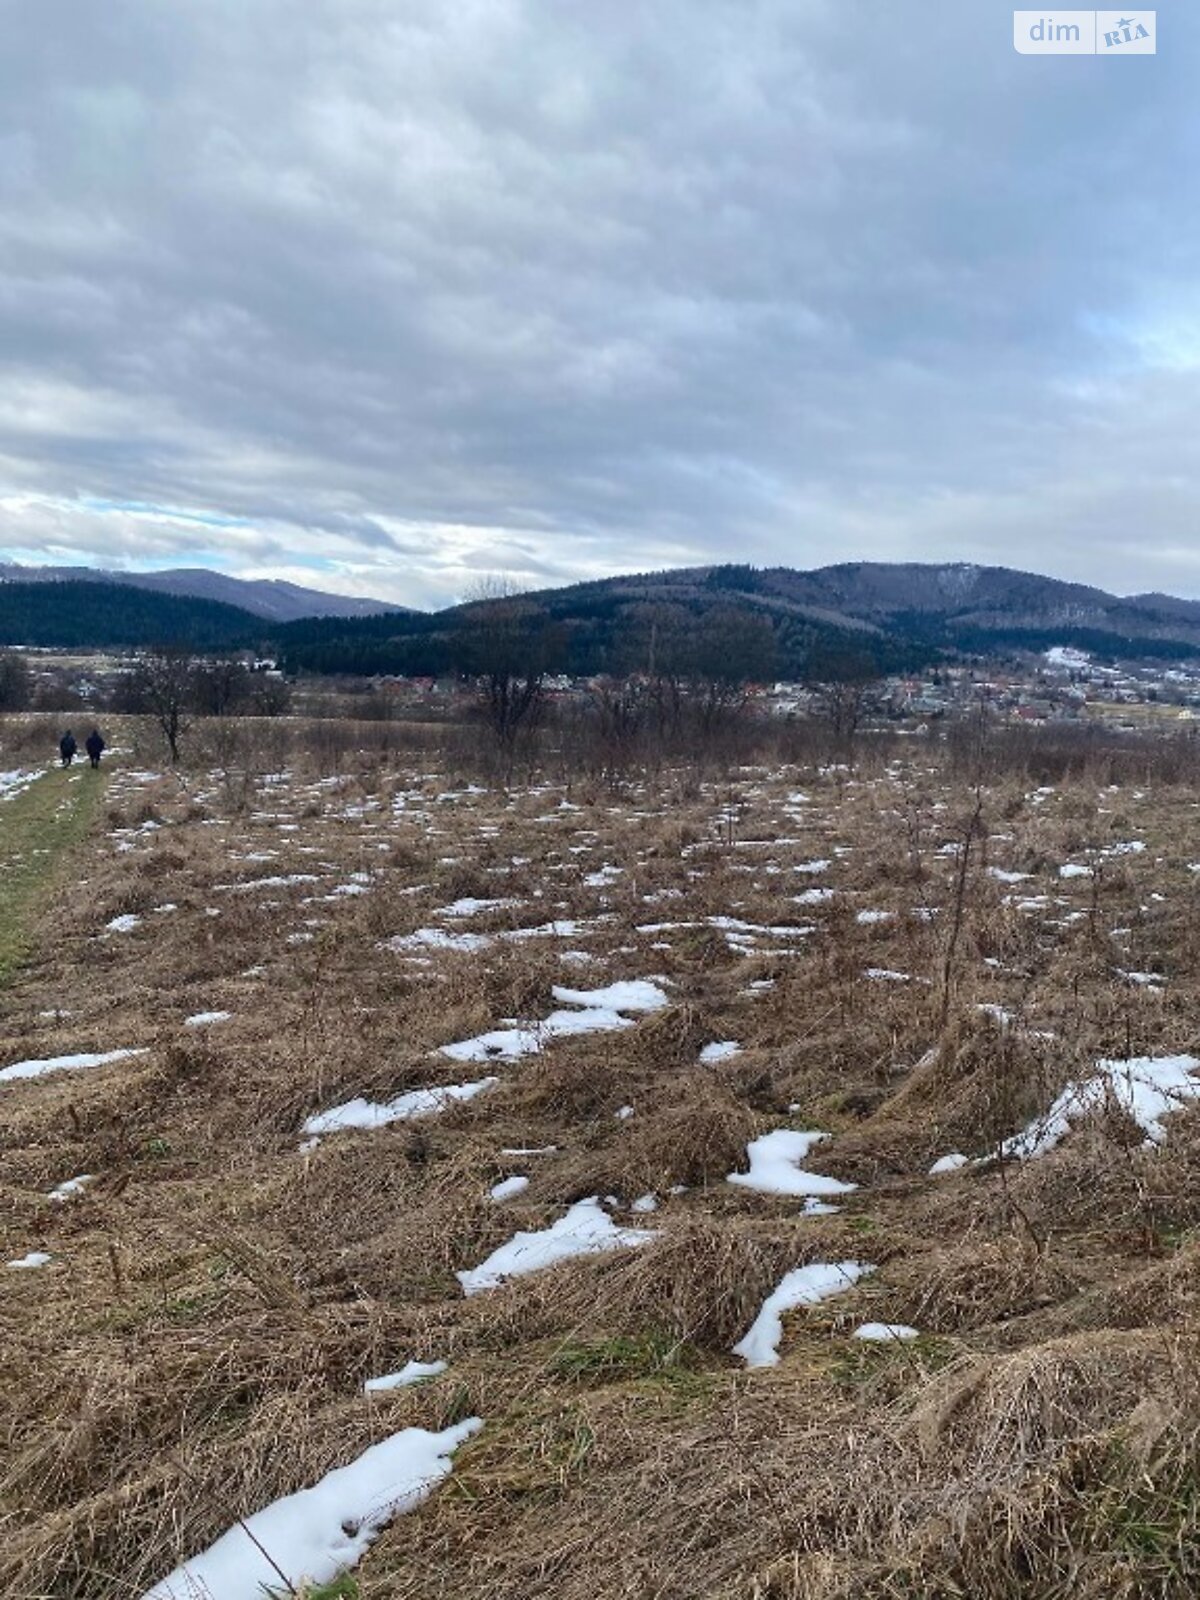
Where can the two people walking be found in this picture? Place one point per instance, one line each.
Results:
(93, 744)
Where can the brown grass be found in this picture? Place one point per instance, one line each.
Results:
(198, 1345)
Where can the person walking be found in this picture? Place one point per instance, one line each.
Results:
(94, 745)
(67, 748)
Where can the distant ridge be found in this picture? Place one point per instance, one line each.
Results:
(895, 615)
(846, 618)
(270, 598)
(74, 614)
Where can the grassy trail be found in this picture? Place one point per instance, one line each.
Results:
(38, 829)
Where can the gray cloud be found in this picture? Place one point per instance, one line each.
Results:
(390, 296)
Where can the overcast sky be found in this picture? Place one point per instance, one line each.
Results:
(382, 295)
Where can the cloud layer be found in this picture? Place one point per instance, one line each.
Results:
(384, 297)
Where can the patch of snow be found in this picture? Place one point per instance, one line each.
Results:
(205, 1019)
(71, 1186)
(35, 1069)
(586, 1229)
(803, 1286)
(567, 928)
(600, 1012)
(775, 1166)
(885, 1332)
(319, 1533)
(12, 782)
(125, 924)
(439, 939)
(719, 1050)
(997, 1013)
(412, 1372)
(1146, 1088)
(951, 1163)
(279, 881)
(602, 879)
(35, 1258)
(508, 1187)
(470, 907)
(362, 1113)
(634, 995)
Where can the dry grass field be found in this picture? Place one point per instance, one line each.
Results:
(890, 956)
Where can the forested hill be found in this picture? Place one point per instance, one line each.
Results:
(856, 619)
(95, 616)
(610, 627)
(835, 621)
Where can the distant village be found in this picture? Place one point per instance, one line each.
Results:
(1060, 685)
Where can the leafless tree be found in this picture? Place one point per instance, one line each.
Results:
(162, 686)
(512, 645)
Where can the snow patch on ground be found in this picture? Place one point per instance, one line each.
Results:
(885, 1332)
(634, 995)
(950, 1163)
(586, 1229)
(12, 782)
(803, 1286)
(412, 1372)
(71, 1187)
(319, 1533)
(600, 1011)
(719, 1050)
(35, 1069)
(775, 1167)
(362, 1113)
(1146, 1088)
(507, 1188)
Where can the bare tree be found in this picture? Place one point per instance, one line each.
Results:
(619, 709)
(220, 685)
(270, 694)
(163, 686)
(512, 645)
(842, 680)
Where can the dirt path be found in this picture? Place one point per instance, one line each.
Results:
(39, 825)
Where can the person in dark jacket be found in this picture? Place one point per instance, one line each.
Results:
(94, 745)
(67, 748)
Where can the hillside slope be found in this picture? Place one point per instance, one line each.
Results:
(94, 616)
(270, 598)
(896, 616)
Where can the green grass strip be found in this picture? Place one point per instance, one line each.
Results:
(39, 827)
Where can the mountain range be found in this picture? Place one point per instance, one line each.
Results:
(910, 598)
(884, 616)
(852, 616)
(269, 598)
